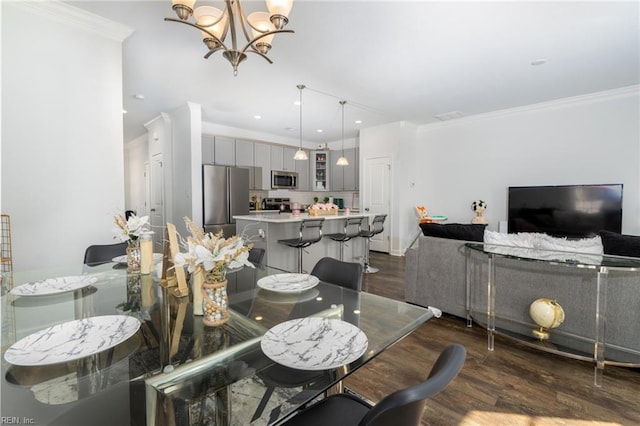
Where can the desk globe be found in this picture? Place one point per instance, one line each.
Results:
(547, 314)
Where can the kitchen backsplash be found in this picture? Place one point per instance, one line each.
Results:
(351, 198)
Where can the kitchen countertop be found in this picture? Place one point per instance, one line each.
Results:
(288, 217)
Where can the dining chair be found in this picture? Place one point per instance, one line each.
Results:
(330, 270)
(334, 271)
(99, 254)
(403, 407)
(377, 226)
(256, 255)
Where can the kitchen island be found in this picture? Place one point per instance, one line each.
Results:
(264, 231)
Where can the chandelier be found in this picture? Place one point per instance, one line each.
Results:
(216, 24)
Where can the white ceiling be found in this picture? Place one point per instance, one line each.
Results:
(390, 60)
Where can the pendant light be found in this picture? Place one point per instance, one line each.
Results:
(300, 153)
(342, 161)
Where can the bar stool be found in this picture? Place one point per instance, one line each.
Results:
(376, 227)
(352, 229)
(310, 233)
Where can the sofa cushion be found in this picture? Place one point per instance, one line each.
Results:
(454, 231)
(620, 244)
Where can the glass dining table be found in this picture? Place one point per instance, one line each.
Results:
(130, 352)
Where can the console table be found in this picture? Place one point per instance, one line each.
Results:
(600, 295)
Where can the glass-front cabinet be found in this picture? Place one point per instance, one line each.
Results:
(320, 171)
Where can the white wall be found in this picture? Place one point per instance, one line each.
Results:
(584, 140)
(62, 148)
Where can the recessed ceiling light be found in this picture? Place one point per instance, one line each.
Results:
(139, 96)
(257, 117)
(358, 121)
(124, 111)
(537, 62)
(296, 103)
(319, 130)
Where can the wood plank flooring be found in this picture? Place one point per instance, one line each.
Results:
(513, 385)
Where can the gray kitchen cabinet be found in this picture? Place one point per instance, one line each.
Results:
(276, 158)
(207, 149)
(224, 151)
(344, 178)
(262, 158)
(288, 163)
(302, 168)
(244, 153)
(337, 172)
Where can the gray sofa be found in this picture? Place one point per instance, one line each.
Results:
(436, 276)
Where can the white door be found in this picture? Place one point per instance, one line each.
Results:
(156, 212)
(377, 197)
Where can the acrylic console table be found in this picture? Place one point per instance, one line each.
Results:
(599, 294)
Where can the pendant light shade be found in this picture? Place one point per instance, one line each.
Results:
(342, 161)
(300, 154)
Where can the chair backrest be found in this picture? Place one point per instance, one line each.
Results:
(311, 230)
(334, 271)
(377, 225)
(98, 254)
(256, 255)
(352, 226)
(405, 407)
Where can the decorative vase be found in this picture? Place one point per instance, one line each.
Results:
(197, 279)
(133, 256)
(214, 302)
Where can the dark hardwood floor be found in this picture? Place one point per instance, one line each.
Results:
(513, 385)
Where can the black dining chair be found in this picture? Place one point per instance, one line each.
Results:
(334, 271)
(256, 255)
(99, 254)
(403, 407)
(330, 270)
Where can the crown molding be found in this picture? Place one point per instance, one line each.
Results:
(69, 15)
(605, 95)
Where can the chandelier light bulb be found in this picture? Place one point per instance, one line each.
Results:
(279, 11)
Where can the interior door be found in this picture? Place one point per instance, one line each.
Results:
(377, 198)
(156, 211)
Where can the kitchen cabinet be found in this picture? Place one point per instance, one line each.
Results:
(320, 170)
(207, 149)
(224, 151)
(344, 178)
(302, 168)
(262, 158)
(244, 153)
(276, 158)
(288, 163)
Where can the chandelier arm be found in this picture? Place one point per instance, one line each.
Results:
(252, 50)
(252, 42)
(232, 23)
(242, 21)
(212, 51)
(222, 45)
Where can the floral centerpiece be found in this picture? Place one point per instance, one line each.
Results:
(323, 209)
(130, 230)
(208, 258)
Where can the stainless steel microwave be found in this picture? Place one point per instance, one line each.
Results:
(284, 180)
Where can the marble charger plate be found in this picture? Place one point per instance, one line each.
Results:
(72, 340)
(53, 286)
(157, 257)
(314, 343)
(288, 283)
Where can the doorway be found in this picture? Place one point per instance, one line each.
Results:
(377, 197)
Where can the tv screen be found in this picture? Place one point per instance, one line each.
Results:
(576, 211)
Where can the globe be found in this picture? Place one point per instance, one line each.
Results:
(548, 314)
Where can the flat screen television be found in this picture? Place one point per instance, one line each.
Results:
(574, 211)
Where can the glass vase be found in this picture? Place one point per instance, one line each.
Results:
(133, 256)
(214, 303)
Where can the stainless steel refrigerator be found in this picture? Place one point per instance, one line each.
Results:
(225, 192)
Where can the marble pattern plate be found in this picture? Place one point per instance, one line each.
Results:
(288, 283)
(53, 286)
(314, 343)
(72, 340)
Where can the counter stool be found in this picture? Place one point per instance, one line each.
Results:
(310, 233)
(376, 227)
(351, 229)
